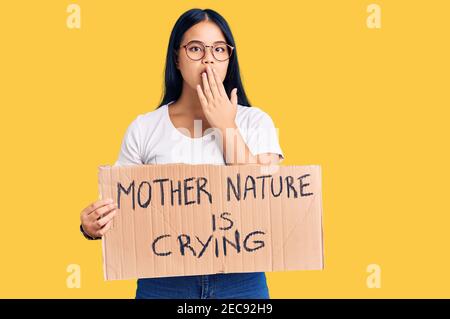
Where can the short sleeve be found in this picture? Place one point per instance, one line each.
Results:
(130, 149)
(262, 135)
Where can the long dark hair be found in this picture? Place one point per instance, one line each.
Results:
(173, 77)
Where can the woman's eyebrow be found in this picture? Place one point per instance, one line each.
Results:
(219, 41)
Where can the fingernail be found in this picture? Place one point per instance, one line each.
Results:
(110, 200)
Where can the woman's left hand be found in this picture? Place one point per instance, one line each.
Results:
(220, 111)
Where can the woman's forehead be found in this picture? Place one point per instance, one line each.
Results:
(206, 32)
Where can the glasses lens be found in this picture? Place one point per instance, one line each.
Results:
(222, 51)
(195, 50)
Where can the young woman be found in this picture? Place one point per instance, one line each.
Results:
(204, 118)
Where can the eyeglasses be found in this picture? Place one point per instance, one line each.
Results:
(196, 50)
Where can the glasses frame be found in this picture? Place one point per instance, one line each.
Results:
(206, 47)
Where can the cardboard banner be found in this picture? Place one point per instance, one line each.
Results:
(182, 219)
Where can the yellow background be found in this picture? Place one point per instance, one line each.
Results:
(369, 105)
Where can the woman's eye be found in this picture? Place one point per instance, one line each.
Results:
(220, 49)
(193, 49)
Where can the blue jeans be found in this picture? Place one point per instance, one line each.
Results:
(251, 285)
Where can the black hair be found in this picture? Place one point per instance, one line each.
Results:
(173, 77)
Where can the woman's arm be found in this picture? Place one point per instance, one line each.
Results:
(220, 112)
(237, 151)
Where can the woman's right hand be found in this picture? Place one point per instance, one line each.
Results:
(96, 219)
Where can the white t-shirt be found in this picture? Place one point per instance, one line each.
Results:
(153, 139)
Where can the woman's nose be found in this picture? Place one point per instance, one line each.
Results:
(208, 58)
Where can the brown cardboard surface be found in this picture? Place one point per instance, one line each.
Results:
(204, 228)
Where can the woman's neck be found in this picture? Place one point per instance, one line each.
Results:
(188, 103)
